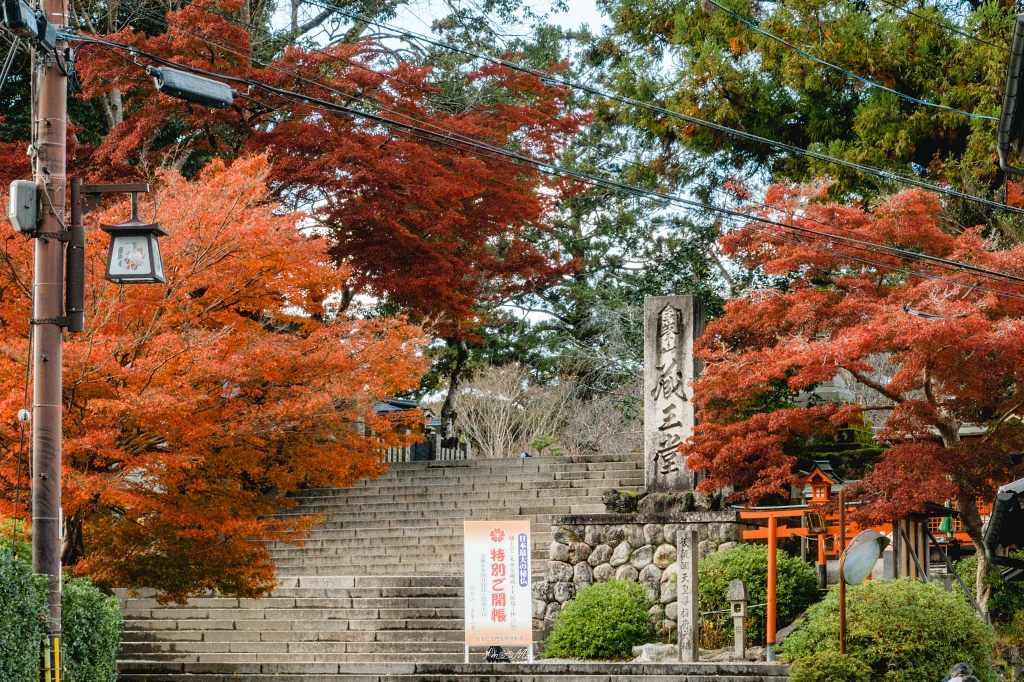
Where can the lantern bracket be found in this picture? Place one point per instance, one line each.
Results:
(91, 194)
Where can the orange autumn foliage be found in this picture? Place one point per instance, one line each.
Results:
(943, 348)
(191, 408)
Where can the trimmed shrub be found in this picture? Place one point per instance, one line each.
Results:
(797, 586)
(605, 621)
(829, 666)
(22, 619)
(92, 625)
(1007, 597)
(903, 630)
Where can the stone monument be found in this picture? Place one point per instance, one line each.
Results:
(671, 324)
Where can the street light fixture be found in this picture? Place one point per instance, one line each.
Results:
(134, 255)
(1010, 131)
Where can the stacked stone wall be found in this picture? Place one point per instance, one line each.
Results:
(589, 548)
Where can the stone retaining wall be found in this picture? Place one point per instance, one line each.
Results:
(590, 548)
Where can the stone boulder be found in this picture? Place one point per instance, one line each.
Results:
(558, 552)
(578, 551)
(603, 573)
(666, 503)
(601, 555)
(635, 535)
(558, 572)
(654, 534)
(642, 557)
(620, 555)
(582, 574)
(663, 556)
(626, 572)
(564, 592)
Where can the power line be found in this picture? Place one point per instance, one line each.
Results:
(868, 170)
(560, 171)
(952, 29)
(751, 25)
(883, 174)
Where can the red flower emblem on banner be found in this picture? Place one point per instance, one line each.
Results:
(497, 535)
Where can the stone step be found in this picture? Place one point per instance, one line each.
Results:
(371, 505)
(540, 671)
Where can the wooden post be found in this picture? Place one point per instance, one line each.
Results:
(773, 528)
(822, 566)
(842, 583)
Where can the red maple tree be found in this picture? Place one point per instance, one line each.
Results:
(440, 232)
(940, 353)
(192, 408)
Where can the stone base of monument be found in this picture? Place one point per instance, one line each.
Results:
(140, 671)
(590, 548)
(669, 653)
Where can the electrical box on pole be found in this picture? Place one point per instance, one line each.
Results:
(23, 209)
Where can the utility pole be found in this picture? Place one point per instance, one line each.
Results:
(49, 130)
(39, 213)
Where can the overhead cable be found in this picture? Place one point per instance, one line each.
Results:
(852, 165)
(557, 170)
(866, 81)
(551, 78)
(952, 29)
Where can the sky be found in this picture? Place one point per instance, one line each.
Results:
(417, 16)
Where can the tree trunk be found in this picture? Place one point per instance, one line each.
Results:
(448, 409)
(967, 505)
(73, 546)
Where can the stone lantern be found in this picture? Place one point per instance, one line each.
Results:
(738, 598)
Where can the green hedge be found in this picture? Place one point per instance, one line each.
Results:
(1007, 597)
(830, 666)
(22, 619)
(605, 621)
(903, 630)
(92, 626)
(796, 586)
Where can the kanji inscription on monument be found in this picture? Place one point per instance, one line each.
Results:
(671, 324)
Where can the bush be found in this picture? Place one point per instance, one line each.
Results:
(16, 537)
(796, 586)
(22, 619)
(605, 621)
(903, 630)
(92, 625)
(830, 666)
(1007, 597)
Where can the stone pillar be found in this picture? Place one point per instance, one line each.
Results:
(671, 324)
(688, 626)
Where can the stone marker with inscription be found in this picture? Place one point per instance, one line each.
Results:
(671, 325)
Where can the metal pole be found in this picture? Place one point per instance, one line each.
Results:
(48, 140)
(842, 583)
(773, 526)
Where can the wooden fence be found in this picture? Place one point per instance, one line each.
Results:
(432, 450)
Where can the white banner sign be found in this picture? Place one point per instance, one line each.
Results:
(497, 579)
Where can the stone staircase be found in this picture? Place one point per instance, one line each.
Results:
(380, 579)
(456, 672)
(376, 591)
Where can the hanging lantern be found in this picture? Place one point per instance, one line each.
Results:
(946, 527)
(134, 250)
